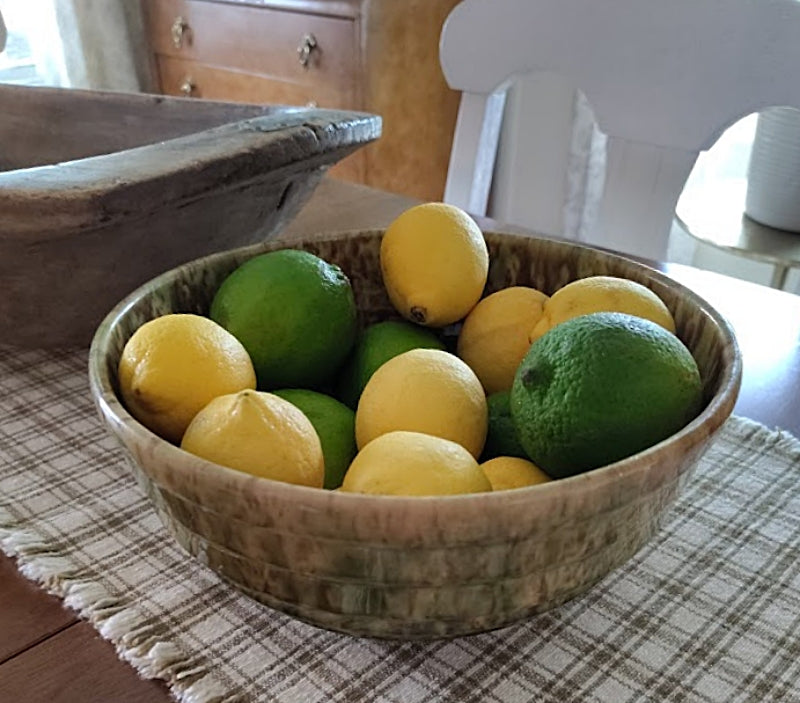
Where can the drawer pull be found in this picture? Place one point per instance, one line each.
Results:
(180, 28)
(187, 86)
(307, 45)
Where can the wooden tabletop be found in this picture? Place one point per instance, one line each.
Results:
(47, 654)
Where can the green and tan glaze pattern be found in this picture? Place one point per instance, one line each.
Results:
(416, 567)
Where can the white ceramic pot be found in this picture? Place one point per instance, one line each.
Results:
(773, 180)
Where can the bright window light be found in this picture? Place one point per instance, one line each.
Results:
(34, 52)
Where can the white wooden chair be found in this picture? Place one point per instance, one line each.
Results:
(664, 78)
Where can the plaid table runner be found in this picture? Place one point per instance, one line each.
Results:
(709, 611)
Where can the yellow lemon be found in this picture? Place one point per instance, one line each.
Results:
(335, 425)
(505, 472)
(414, 464)
(602, 294)
(172, 366)
(494, 337)
(424, 390)
(434, 263)
(260, 434)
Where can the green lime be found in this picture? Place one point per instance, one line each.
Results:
(600, 387)
(377, 344)
(293, 312)
(501, 439)
(335, 425)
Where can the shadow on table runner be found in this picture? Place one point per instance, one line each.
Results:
(709, 611)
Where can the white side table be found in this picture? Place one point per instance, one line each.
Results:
(714, 214)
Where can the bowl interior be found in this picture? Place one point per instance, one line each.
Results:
(542, 263)
(91, 123)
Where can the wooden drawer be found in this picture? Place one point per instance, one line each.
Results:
(199, 80)
(258, 40)
(218, 84)
(377, 56)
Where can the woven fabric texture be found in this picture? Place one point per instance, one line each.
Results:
(709, 611)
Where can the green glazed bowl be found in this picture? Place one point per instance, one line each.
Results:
(429, 567)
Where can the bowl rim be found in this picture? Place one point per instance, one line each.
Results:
(54, 201)
(707, 423)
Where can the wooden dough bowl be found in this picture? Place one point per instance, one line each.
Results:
(99, 192)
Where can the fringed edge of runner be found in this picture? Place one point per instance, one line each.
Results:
(135, 638)
(776, 438)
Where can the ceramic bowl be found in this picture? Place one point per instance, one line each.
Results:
(426, 567)
(773, 172)
(99, 192)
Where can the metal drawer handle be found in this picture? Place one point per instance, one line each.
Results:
(307, 45)
(180, 28)
(187, 86)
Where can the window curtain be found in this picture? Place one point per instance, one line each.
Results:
(550, 167)
(104, 45)
(586, 168)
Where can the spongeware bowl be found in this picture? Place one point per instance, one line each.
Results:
(427, 567)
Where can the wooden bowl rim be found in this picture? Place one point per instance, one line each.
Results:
(52, 201)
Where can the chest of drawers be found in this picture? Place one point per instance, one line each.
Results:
(378, 56)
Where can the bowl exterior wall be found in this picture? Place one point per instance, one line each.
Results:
(407, 589)
(418, 567)
(80, 277)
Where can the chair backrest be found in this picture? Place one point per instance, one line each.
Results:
(664, 78)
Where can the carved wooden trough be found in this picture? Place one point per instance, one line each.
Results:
(100, 191)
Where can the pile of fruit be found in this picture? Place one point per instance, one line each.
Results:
(279, 381)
